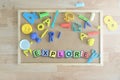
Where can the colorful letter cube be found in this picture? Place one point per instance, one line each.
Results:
(76, 54)
(36, 53)
(68, 53)
(45, 52)
(85, 54)
(60, 54)
(52, 54)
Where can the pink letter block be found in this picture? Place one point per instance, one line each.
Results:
(60, 54)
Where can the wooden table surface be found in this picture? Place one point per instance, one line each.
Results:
(9, 69)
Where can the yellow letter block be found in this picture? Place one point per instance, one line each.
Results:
(52, 54)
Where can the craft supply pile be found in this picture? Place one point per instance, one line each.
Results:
(27, 29)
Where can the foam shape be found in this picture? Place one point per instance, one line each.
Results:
(33, 35)
(36, 53)
(24, 44)
(112, 25)
(38, 40)
(80, 4)
(45, 52)
(51, 36)
(93, 56)
(87, 23)
(60, 54)
(59, 35)
(52, 54)
(93, 33)
(44, 33)
(40, 27)
(83, 36)
(30, 17)
(43, 15)
(66, 25)
(68, 53)
(26, 29)
(47, 22)
(26, 52)
(98, 27)
(92, 17)
(83, 18)
(69, 17)
(76, 54)
(76, 27)
(55, 18)
(91, 41)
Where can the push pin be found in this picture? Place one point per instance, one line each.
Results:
(51, 36)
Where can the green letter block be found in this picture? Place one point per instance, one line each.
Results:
(76, 54)
(36, 53)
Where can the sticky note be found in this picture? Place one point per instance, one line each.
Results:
(36, 53)
(52, 54)
(60, 53)
(45, 52)
(68, 53)
(30, 17)
(76, 54)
